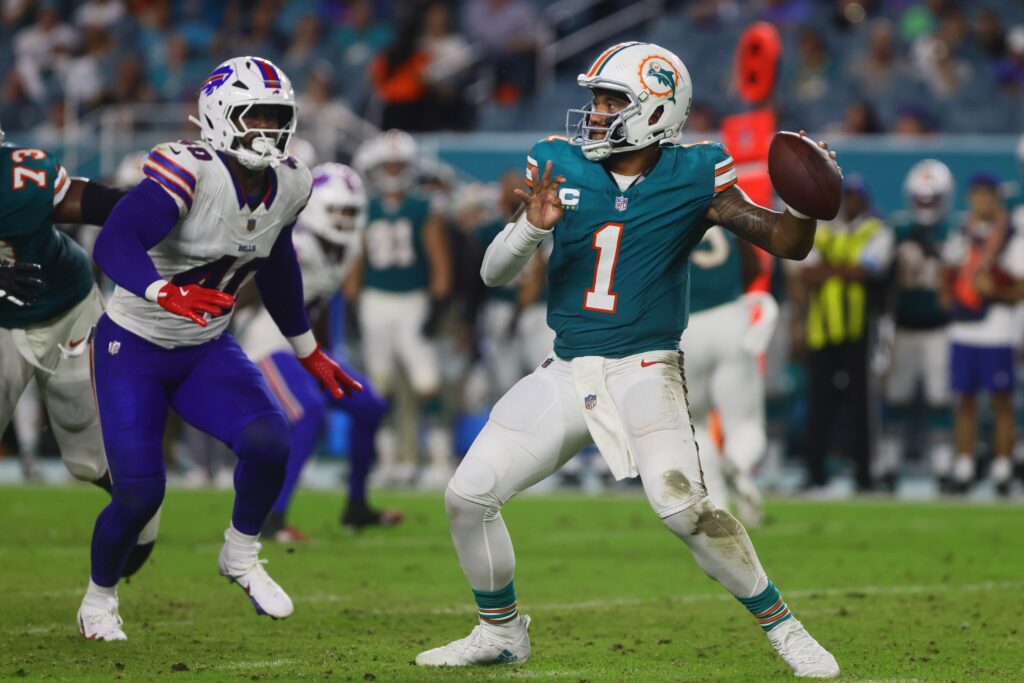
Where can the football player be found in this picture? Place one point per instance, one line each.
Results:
(727, 332)
(49, 303)
(327, 240)
(405, 277)
(625, 207)
(920, 356)
(209, 216)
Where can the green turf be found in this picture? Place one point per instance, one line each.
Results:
(929, 592)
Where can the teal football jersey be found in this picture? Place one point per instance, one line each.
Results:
(395, 258)
(618, 273)
(716, 270)
(31, 182)
(919, 270)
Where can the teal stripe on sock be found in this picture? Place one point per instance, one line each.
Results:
(760, 604)
(504, 597)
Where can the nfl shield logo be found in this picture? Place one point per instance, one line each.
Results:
(590, 401)
(113, 347)
(621, 203)
(251, 225)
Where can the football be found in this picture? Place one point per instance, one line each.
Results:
(804, 175)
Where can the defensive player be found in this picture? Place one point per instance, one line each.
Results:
(209, 216)
(625, 208)
(405, 278)
(49, 303)
(327, 240)
(727, 332)
(920, 357)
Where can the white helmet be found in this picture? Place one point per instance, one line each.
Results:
(336, 211)
(392, 147)
(235, 87)
(929, 191)
(653, 79)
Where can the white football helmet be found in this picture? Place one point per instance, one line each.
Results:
(388, 162)
(336, 211)
(230, 92)
(929, 191)
(653, 79)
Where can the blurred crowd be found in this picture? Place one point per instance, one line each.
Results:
(855, 66)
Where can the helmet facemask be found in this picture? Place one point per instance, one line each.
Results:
(257, 148)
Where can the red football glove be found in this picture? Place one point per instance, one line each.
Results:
(190, 301)
(329, 374)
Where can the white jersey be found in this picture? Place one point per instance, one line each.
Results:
(218, 241)
(322, 273)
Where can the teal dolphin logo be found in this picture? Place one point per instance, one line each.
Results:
(665, 77)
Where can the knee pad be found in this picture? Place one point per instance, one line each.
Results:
(264, 442)
(139, 499)
(86, 466)
(461, 509)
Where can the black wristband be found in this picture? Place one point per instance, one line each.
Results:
(98, 201)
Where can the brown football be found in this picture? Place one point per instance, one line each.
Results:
(804, 175)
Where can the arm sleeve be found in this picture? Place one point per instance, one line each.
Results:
(510, 251)
(98, 201)
(141, 220)
(279, 280)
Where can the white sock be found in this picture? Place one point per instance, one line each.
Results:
(100, 591)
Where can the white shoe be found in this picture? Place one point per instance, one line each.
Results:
(244, 567)
(485, 645)
(804, 655)
(98, 619)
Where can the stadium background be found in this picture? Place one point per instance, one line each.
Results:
(899, 591)
(887, 82)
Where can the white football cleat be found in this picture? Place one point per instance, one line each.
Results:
(98, 619)
(244, 567)
(483, 646)
(804, 655)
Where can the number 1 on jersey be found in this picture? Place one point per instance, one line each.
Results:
(600, 296)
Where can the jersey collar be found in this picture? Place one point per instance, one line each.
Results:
(251, 202)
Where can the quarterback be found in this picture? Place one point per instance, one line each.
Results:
(49, 303)
(625, 207)
(208, 217)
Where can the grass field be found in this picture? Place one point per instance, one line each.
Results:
(927, 592)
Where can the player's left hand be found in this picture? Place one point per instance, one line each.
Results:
(19, 284)
(329, 374)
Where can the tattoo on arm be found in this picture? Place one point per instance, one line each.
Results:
(748, 220)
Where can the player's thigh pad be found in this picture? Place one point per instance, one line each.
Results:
(15, 374)
(935, 359)
(906, 367)
(533, 430)
(378, 321)
(652, 404)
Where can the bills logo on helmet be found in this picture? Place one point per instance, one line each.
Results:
(658, 77)
(216, 79)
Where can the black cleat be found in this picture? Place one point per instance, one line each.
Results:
(358, 515)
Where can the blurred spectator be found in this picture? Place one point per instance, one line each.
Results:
(912, 119)
(850, 14)
(177, 79)
(262, 37)
(989, 33)
(506, 30)
(362, 38)
(814, 71)
(398, 81)
(89, 77)
(102, 14)
(786, 12)
(878, 72)
(306, 52)
(702, 119)
(131, 84)
(40, 48)
(859, 119)
(850, 258)
(983, 259)
(939, 59)
(50, 133)
(449, 58)
(1010, 69)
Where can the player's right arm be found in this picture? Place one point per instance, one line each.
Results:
(513, 247)
(142, 220)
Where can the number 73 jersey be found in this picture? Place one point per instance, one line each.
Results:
(618, 273)
(219, 241)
